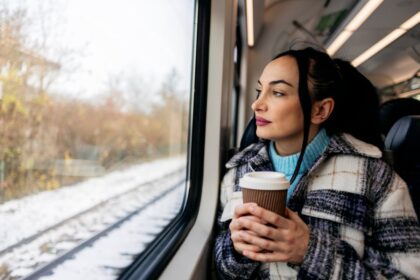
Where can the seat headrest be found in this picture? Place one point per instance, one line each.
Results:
(393, 110)
(404, 135)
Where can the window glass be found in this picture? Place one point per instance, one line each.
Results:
(94, 114)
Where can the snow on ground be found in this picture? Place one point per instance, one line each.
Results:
(115, 251)
(24, 217)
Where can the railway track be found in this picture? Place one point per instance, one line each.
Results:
(38, 254)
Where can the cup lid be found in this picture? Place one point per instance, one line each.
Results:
(264, 180)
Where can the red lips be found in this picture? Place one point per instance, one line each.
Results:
(261, 121)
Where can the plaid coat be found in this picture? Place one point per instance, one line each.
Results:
(361, 219)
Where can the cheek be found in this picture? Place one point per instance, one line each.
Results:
(289, 116)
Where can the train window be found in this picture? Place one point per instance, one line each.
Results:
(94, 125)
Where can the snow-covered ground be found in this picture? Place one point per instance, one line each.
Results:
(25, 217)
(110, 254)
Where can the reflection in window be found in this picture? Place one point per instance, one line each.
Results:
(94, 106)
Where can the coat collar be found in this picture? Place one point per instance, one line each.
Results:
(255, 154)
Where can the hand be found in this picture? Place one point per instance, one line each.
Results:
(236, 228)
(284, 240)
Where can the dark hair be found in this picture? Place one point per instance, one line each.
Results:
(356, 100)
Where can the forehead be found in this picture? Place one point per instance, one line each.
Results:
(282, 68)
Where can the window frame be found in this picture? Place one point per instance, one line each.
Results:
(152, 261)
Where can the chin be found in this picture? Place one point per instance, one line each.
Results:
(262, 135)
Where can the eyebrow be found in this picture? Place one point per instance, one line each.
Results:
(277, 82)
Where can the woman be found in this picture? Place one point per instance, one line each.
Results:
(349, 215)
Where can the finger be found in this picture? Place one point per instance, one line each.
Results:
(237, 237)
(242, 209)
(280, 246)
(265, 256)
(255, 219)
(250, 232)
(270, 217)
(241, 247)
(294, 216)
(255, 240)
(297, 222)
(236, 223)
(259, 229)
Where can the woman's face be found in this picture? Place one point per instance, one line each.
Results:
(278, 112)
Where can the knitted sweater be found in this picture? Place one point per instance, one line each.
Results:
(287, 164)
(361, 219)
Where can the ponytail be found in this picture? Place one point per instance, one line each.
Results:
(357, 105)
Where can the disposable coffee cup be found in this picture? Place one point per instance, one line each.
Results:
(267, 189)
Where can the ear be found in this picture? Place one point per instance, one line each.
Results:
(321, 110)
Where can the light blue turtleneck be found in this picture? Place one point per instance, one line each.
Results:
(287, 164)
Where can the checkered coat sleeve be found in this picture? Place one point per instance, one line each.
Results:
(361, 219)
(229, 263)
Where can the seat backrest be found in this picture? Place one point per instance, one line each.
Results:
(403, 139)
(249, 136)
(393, 110)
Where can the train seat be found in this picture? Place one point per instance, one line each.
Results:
(249, 136)
(392, 110)
(403, 141)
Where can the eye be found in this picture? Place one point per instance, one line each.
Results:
(258, 93)
(278, 93)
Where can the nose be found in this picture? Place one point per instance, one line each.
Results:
(259, 104)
